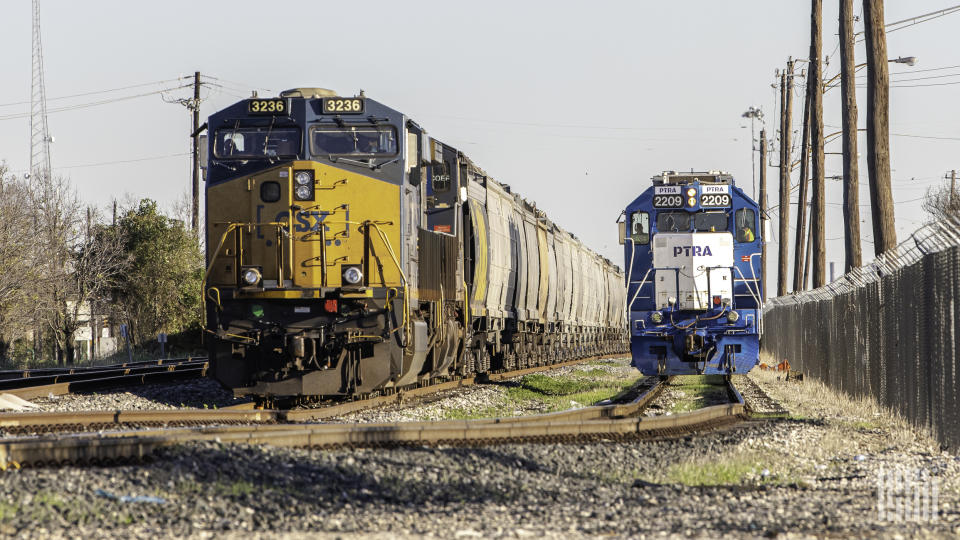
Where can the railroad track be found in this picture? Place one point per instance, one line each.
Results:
(281, 428)
(28, 384)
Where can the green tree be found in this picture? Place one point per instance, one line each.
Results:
(160, 292)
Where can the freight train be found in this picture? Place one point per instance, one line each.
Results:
(693, 256)
(349, 252)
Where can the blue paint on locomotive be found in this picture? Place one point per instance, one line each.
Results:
(696, 333)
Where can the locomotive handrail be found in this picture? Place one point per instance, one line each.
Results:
(642, 283)
(403, 276)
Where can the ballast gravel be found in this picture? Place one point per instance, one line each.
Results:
(823, 461)
(489, 396)
(198, 393)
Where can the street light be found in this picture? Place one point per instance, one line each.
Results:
(908, 60)
(753, 113)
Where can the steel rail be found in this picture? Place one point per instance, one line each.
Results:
(106, 380)
(340, 409)
(8, 374)
(119, 445)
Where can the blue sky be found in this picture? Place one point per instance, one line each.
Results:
(574, 104)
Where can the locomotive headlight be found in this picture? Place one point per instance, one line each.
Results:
(250, 276)
(733, 317)
(352, 275)
(303, 178)
(303, 185)
(303, 193)
(692, 192)
(656, 317)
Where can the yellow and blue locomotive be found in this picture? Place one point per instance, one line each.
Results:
(692, 248)
(349, 252)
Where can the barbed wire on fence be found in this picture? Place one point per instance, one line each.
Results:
(931, 238)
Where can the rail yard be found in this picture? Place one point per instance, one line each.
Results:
(784, 461)
(459, 270)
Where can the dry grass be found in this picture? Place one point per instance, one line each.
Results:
(812, 399)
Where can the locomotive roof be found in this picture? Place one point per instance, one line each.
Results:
(669, 178)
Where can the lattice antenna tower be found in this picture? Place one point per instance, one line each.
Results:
(39, 133)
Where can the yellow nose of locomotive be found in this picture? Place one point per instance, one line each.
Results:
(304, 226)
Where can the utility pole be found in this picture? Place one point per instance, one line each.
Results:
(851, 170)
(815, 81)
(878, 128)
(953, 186)
(786, 99)
(195, 107)
(799, 252)
(763, 213)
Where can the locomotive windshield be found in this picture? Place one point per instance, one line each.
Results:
(673, 221)
(353, 140)
(710, 221)
(256, 142)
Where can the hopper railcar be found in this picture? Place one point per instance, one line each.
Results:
(692, 248)
(350, 252)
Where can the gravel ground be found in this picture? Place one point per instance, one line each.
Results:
(492, 397)
(810, 475)
(688, 392)
(198, 393)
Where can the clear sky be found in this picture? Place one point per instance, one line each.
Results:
(574, 104)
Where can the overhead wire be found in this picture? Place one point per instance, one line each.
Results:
(95, 103)
(94, 92)
(102, 163)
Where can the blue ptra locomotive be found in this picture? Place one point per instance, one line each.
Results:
(692, 248)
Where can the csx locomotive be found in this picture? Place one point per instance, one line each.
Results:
(692, 251)
(349, 252)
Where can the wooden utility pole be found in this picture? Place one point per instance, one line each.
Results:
(851, 170)
(815, 80)
(786, 119)
(195, 107)
(799, 251)
(763, 214)
(878, 127)
(953, 185)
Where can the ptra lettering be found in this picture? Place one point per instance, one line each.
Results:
(696, 251)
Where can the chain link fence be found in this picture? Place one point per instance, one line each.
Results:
(890, 330)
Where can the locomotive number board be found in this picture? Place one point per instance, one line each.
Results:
(667, 197)
(715, 197)
(667, 201)
(715, 200)
(343, 105)
(267, 106)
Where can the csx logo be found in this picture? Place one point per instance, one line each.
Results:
(696, 251)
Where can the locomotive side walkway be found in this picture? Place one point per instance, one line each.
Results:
(813, 473)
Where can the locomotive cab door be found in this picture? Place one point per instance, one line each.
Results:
(443, 189)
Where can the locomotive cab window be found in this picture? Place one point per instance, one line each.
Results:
(361, 141)
(640, 227)
(745, 219)
(710, 221)
(256, 143)
(673, 222)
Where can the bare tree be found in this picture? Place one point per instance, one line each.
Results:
(939, 202)
(18, 268)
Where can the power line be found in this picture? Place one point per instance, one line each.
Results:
(102, 163)
(95, 92)
(94, 103)
(577, 126)
(243, 86)
(926, 137)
